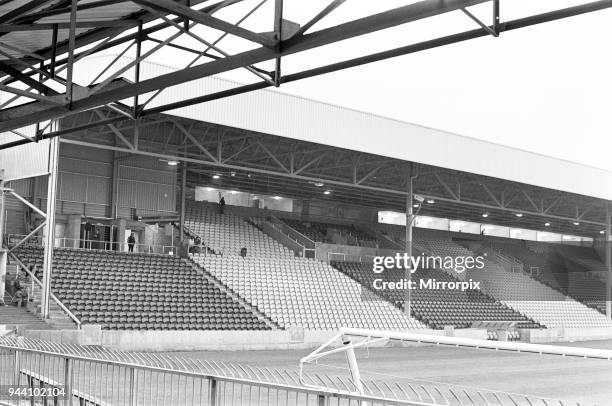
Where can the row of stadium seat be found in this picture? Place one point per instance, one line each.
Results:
(140, 291)
(437, 308)
(520, 292)
(306, 293)
(317, 232)
(228, 233)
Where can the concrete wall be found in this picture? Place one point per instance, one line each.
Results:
(268, 340)
(152, 341)
(352, 252)
(557, 335)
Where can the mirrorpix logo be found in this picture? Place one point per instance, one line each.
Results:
(403, 262)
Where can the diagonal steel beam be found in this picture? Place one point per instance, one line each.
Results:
(480, 23)
(114, 129)
(27, 203)
(30, 95)
(195, 142)
(207, 20)
(322, 14)
(552, 205)
(32, 83)
(22, 50)
(23, 135)
(446, 187)
(586, 211)
(212, 46)
(370, 174)
(530, 200)
(205, 51)
(413, 12)
(495, 199)
(309, 164)
(24, 9)
(388, 19)
(271, 155)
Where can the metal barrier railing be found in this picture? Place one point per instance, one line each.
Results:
(96, 245)
(341, 256)
(94, 376)
(79, 243)
(34, 280)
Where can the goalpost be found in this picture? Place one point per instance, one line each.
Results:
(350, 338)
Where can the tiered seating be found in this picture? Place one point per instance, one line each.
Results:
(553, 269)
(140, 291)
(317, 232)
(228, 233)
(436, 308)
(585, 257)
(443, 248)
(535, 300)
(590, 291)
(544, 266)
(307, 293)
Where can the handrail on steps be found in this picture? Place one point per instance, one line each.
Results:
(51, 295)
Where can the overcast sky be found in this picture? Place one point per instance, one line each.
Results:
(546, 89)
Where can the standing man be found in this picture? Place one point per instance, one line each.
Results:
(221, 204)
(131, 241)
(88, 226)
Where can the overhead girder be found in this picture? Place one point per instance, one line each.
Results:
(300, 41)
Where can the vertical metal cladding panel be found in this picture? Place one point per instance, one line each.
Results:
(147, 184)
(65, 207)
(26, 160)
(166, 198)
(99, 190)
(22, 187)
(15, 221)
(127, 194)
(41, 187)
(146, 195)
(149, 173)
(87, 156)
(97, 210)
(15, 209)
(73, 187)
(86, 167)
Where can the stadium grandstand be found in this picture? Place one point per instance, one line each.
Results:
(163, 242)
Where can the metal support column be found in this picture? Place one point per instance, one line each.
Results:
(71, 47)
(409, 223)
(608, 248)
(137, 69)
(3, 255)
(278, 30)
(50, 238)
(2, 208)
(183, 193)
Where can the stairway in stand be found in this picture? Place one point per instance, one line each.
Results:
(28, 316)
(12, 316)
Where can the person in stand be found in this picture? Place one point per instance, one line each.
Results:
(243, 252)
(131, 241)
(88, 227)
(221, 204)
(198, 245)
(19, 292)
